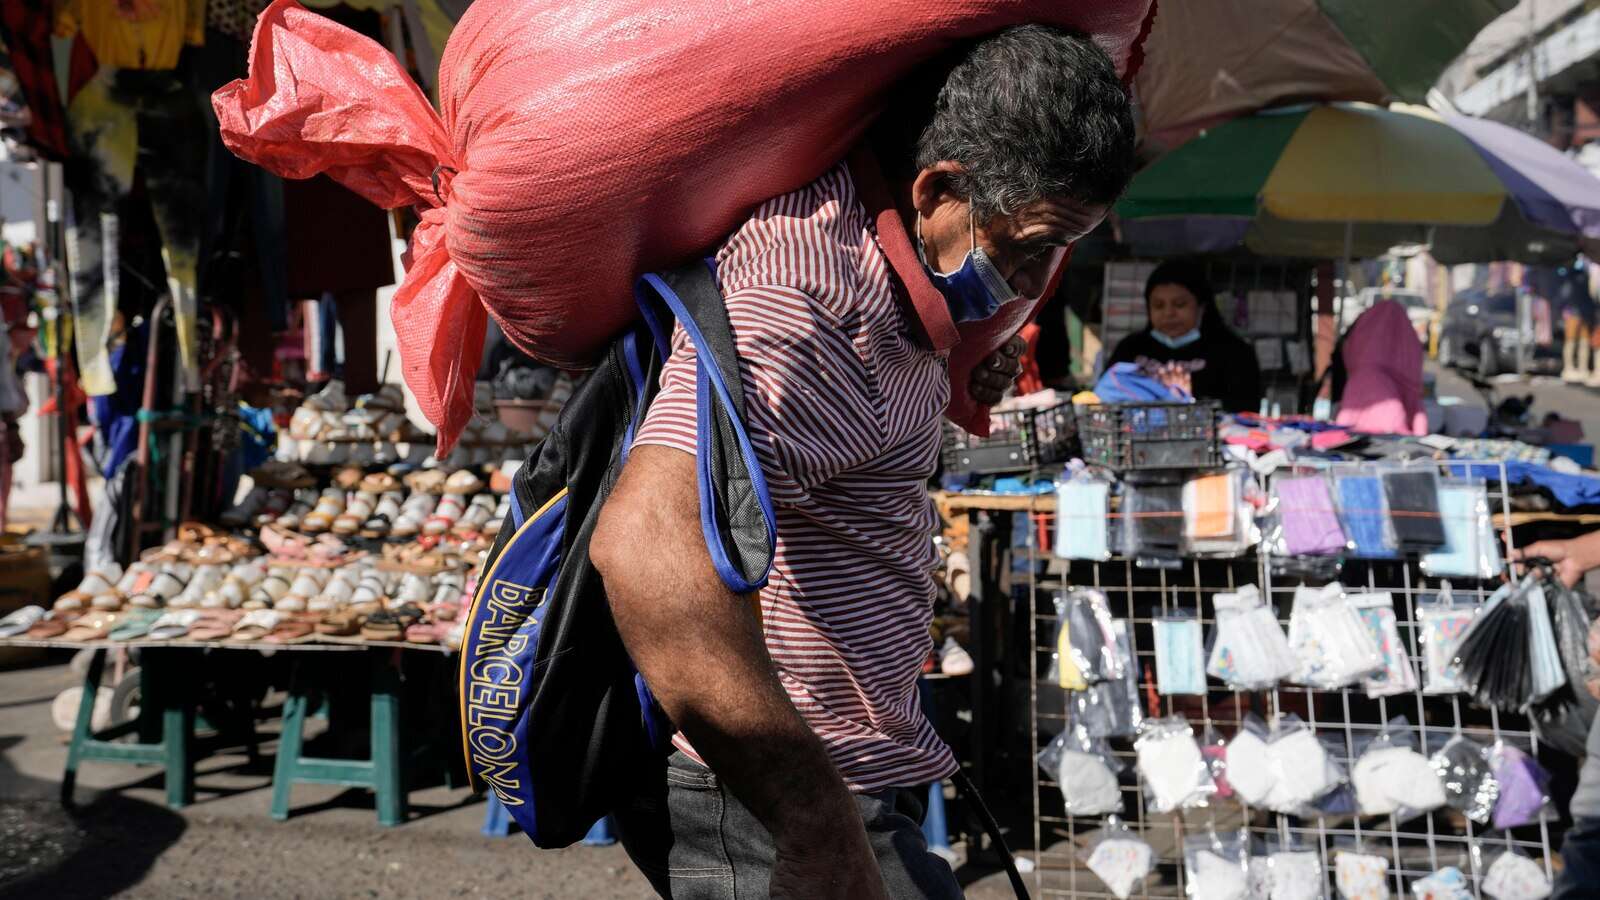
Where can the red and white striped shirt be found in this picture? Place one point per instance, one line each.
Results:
(843, 405)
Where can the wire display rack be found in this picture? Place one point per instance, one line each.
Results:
(1139, 595)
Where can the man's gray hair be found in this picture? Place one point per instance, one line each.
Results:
(1032, 112)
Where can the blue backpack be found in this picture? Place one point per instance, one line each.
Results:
(554, 717)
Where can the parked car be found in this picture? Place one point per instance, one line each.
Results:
(1480, 333)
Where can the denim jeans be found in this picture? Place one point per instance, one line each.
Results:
(1580, 878)
(694, 841)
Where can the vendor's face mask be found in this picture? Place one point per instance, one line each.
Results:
(1176, 343)
(976, 290)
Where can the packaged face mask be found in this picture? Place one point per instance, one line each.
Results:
(1152, 520)
(1449, 883)
(1249, 651)
(1300, 767)
(1413, 498)
(1361, 876)
(1174, 771)
(1120, 859)
(1441, 627)
(1295, 875)
(1085, 771)
(1216, 867)
(1310, 525)
(1180, 656)
(1111, 708)
(1470, 549)
(1524, 787)
(1513, 876)
(1465, 771)
(1396, 675)
(1083, 515)
(1209, 505)
(1391, 778)
(1365, 515)
(1331, 644)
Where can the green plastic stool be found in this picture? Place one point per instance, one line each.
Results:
(381, 772)
(165, 707)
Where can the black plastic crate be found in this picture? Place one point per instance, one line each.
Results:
(1132, 436)
(1018, 441)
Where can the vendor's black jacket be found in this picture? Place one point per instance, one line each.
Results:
(1230, 376)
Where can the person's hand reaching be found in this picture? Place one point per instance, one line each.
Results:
(994, 377)
(1572, 558)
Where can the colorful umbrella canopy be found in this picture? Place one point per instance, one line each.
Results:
(1314, 181)
(1208, 61)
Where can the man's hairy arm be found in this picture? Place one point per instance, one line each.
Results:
(700, 648)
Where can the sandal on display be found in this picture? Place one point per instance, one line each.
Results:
(445, 515)
(380, 483)
(356, 514)
(93, 585)
(244, 512)
(388, 398)
(330, 399)
(92, 627)
(265, 594)
(954, 658)
(341, 587)
(204, 581)
(21, 620)
(341, 623)
(348, 478)
(171, 581)
(425, 633)
(463, 482)
(214, 624)
(391, 624)
(329, 506)
(383, 517)
(173, 624)
(134, 624)
(256, 624)
(285, 543)
(304, 502)
(49, 628)
(413, 513)
(295, 629)
(427, 481)
(477, 516)
(277, 474)
(306, 585)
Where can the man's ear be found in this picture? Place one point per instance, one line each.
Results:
(932, 187)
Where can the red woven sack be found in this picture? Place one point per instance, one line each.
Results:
(582, 143)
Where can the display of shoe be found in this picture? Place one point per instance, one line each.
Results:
(954, 659)
(329, 507)
(445, 515)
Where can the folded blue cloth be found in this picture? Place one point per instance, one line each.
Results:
(1124, 383)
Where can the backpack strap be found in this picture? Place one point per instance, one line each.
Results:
(735, 508)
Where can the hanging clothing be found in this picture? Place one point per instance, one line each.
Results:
(135, 34)
(25, 29)
(121, 120)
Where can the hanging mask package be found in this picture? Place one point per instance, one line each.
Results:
(1391, 778)
(1470, 549)
(1364, 512)
(1084, 652)
(1294, 872)
(1570, 611)
(1302, 769)
(1509, 659)
(1441, 626)
(1111, 708)
(1413, 498)
(1083, 519)
(1524, 787)
(1307, 520)
(1250, 762)
(1396, 675)
(1173, 768)
(1513, 876)
(1330, 643)
(1180, 655)
(1086, 772)
(1248, 649)
(1215, 751)
(1119, 858)
(1217, 866)
(1465, 771)
(1361, 876)
(1448, 883)
(1218, 520)
(1550, 693)
(1152, 523)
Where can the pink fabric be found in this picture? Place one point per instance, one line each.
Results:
(1383, 359)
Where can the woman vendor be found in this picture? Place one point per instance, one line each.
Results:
(1186, 336)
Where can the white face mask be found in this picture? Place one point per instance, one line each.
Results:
(1176, 343)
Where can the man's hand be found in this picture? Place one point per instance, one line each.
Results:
(994, 377)
(1572, 558)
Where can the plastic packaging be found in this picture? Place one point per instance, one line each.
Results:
(1170, 762)
(1508, 658)
(1294, 872)
(1467, 775)
(1524, 787)
(1413, 498)
(1470, 549)
(1086, 772)
(1301, 768)
(1248, 651)
(1570, 611)
(1441, 626)
(1085, 651)
(1216, 866)
(1111, 708)
(1331, 644)
(1449, 883)
(1513, 876)
(1397, 675)
(578, 145)
(1361, 876)
(1215, 751)
(1083, 516)
(1392, 778)
(1119, 858)
(1180, 655)
(1219, 519)
(1152, 519)
(1249, 760)
(1308, 522)
(1364, 512)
